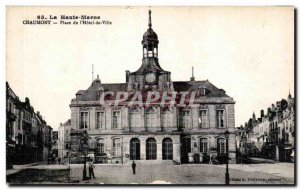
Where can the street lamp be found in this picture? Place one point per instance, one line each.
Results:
(227, 158)
(84, 147)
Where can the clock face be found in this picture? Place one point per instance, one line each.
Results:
(150, 77)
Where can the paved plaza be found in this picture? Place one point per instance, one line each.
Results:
(277, 173)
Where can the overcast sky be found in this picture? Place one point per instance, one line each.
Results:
(248, 52)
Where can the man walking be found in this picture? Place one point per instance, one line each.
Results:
(133, 167)
(91, 169)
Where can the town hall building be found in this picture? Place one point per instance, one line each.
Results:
(161, 133)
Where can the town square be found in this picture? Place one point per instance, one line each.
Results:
(161, 122)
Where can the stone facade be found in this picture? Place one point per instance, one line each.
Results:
(28, 136)
(272, 135)
(64, 139)
(164, 132)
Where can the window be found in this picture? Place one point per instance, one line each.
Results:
(220, 118)
(19, 122)
(116, 120)
(167, 149)
(150, 53)
(135, 149)
(201, 91)
(135, 118)
(203, 118)
(83, 120)
(186, 118)
(151, 149)
(150, 117)
(221, 146)
(116, 147)
(203, 145)
(100, 120)
(100, 146)
(166, 118)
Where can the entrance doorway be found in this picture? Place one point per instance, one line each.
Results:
(135, 149)
(185, 148)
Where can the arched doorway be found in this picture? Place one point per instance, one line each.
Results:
(135, 149)
(151, 149)
(167, 149)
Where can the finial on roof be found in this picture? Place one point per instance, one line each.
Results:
(149, 22)
(192, 78)
(97, 76)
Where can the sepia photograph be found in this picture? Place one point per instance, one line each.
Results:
(150, 95)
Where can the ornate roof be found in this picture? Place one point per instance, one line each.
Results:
(92, 93)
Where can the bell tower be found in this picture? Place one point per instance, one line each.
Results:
(150, 76)
(150, 42)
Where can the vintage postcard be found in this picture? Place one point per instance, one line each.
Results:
(150, 95)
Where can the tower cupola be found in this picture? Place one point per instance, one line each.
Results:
(150, 41)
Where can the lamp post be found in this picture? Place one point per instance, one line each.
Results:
(84, 147)
(227, 158)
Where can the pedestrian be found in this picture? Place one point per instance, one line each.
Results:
(59, 159)
(91, 169)
(133, 167)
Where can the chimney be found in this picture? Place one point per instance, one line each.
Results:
(262, 114)
(273, 107)
(127, 75)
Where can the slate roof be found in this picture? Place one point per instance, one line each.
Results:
(92, 93)
(212, 90)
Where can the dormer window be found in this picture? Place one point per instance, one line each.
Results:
(135, 86)
(101, 89)
(202, 91)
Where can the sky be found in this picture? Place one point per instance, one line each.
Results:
(247, 51)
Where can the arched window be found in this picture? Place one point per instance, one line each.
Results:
(135, 149)
(135, 117)
(100, 147)
(151, 117)
(167, 149)
(151, 149)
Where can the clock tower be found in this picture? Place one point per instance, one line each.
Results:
(150, 76)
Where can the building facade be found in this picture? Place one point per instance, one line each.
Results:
(54, 148)
(27, 133)
(64, 139)
(188, 127)
(272, 135)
